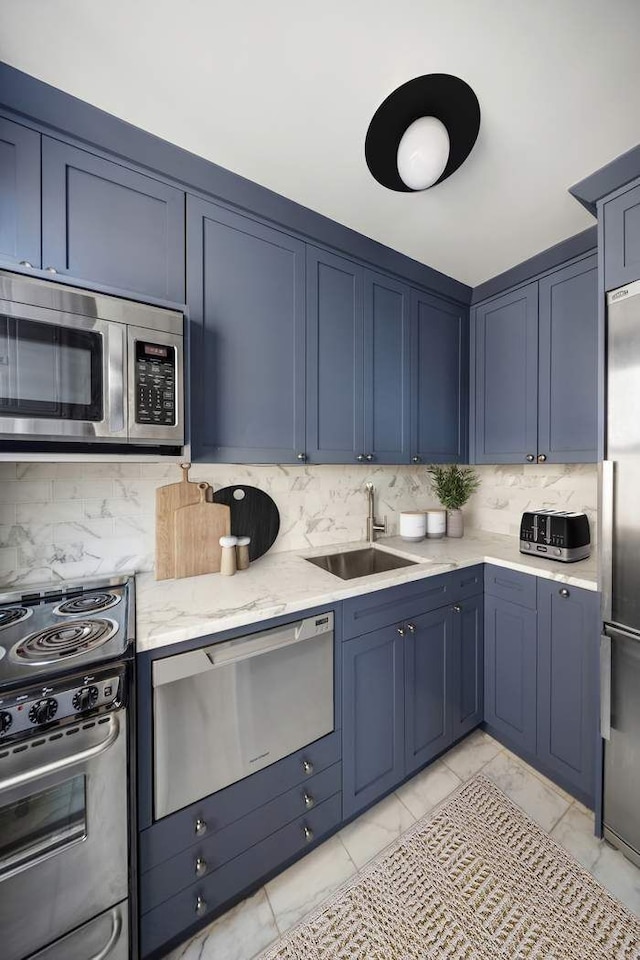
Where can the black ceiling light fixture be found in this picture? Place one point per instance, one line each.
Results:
(422, 132)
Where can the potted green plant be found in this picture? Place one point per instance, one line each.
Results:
(453, 486)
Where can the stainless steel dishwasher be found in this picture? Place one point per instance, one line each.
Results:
(226, 710)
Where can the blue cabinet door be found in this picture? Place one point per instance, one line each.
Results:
(439, 380)
(622, 239)
(568, 634)
(19, 194)
(246, 298)
(372, 717)
(107, 224)
(386, 369)
(428, 681)
(335, 359)
(467, 675)
(505, 400)
(510, 665)
(568, 364)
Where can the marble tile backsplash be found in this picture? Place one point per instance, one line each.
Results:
(66, 520)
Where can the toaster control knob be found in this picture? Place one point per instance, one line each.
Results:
(43, 710)
(84, 699)
(557, 552)
(5, 721)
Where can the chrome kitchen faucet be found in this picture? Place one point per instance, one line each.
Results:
(373, 526)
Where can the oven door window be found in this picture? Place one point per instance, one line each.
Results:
(41, 824)
(50, 370)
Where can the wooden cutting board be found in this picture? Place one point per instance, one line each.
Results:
(198, 528)
(169, 499)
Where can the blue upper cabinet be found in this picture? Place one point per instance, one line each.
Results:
(621, 218)
(19, 195)
(506, 374)
(386, 369)
(108, 224)
(335, 359)
(245, 284)
(568, 364)
(439, 377)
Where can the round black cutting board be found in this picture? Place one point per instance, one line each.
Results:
(253, 515)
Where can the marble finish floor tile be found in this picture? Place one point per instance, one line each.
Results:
(470, 755)
(237, 935)
(574, 831)
(542, 803)
(308, 882)
(619, 876)
(376, 829)
(428, 788)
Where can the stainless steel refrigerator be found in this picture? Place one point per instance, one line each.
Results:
(620, 574)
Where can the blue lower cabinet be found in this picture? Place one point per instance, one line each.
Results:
(510, 665)
(373, 717)
(428, 656)
(568, 635)
(467, 675)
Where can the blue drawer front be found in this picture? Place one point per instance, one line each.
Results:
(376, 610)
(176, 833)
(510, 585)
(178, 917)
(175, 874)
(469, 582)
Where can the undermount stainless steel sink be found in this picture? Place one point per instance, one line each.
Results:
(359, 563)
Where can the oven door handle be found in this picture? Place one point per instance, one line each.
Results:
(89, 753)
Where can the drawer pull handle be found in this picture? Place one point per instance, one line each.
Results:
(457, 608)
(307, 766)
(308, 833)
(308, 800)
(201, 906)
(201, 867)
(401, 631)
(50, 270)
(411, 627)
(564, 592)
(25, 263)
(201, 827)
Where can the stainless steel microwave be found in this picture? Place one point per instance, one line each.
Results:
(83, 368)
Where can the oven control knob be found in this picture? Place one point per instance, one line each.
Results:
(84, 699)
(43, 710)
(5, 721)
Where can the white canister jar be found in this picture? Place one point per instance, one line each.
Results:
(413, 525)
(436, 524)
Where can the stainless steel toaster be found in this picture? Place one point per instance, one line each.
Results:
(555, 534)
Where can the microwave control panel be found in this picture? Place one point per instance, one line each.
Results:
(155, 383)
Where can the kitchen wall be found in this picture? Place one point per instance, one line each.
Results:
(77, 520)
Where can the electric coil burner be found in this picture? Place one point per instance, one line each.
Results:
(11, 615)
(60, 641)
(87, 603)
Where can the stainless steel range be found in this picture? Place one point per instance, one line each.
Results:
(65, 657)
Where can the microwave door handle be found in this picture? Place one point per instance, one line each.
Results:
(116, 365)
(81, 756)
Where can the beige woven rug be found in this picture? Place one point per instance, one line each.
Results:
(476, 879)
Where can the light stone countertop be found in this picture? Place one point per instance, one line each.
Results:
(169, 611)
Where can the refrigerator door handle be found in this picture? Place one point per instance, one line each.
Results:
(606, 538)
(605, 687)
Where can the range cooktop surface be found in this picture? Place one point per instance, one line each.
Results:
(47, 630)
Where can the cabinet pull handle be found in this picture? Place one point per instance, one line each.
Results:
(50, 270)
(457, 608)
(25, 263)
(542, 457)
(201, 905)
(360, 458)
(201, 827)
(564, 592)
(416, 459)
(201, 867)
(411, 627)
(308, 800)
(307, 766)
(369, 457)
(301, 456)
(530, 457)
(400, 631)
(308, 833)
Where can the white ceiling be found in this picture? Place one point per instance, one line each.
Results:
(283, 92)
